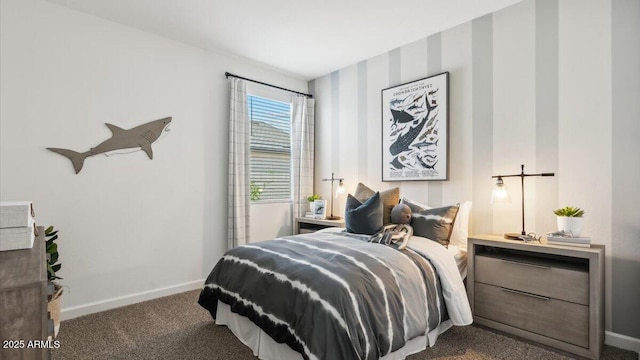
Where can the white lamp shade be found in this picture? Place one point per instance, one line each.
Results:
(340, 189)
(500, 193)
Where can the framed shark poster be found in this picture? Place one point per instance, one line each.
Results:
(415, 130)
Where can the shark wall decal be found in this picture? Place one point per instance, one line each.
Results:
(138, 137)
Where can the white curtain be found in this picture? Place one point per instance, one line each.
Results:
(239, 165)
(302, 151)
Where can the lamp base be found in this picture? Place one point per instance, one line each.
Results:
(513, 236)
(334, 218)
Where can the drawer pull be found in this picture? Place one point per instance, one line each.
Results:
(526, 294)
(527, 264)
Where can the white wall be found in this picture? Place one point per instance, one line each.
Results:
(270, 220)
(530, 84)
(130, 228)
(585, 135)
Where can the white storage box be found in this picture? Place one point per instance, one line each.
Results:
(16, 214)
(16, 238)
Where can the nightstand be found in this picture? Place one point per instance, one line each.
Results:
(305, 225)
(550, 294)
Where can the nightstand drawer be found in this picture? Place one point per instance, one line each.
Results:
(548, 317)
(535, 276)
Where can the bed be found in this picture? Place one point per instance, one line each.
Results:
(333, 295)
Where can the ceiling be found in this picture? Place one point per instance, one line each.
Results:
(304, 38)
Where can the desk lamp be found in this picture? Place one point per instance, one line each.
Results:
(500, 194)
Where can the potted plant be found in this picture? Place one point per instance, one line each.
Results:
(570, 220)
(311, 199)
(53, 266)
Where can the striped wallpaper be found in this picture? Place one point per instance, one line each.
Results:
(552, 84)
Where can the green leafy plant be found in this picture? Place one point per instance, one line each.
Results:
(569, 211)
(255, 191)
(53, 266)
(313, 197)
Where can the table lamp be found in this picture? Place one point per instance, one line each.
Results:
(500, 194)
(340, 190)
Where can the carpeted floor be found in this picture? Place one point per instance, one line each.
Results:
(176, 327)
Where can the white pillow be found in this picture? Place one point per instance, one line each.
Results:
(460, 231)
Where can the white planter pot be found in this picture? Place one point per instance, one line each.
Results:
(312, 207)
(571, 225)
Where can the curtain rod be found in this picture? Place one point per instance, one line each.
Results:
(227, 74)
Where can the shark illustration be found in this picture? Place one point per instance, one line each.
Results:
(403, 141)
(425, 143)
(400, 117)
(138, 137)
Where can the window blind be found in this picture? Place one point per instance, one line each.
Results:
(270, 148)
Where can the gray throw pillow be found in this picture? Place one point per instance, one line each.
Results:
(435, 224)
(363, 218)
(415, 207)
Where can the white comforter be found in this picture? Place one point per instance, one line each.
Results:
(454, 292)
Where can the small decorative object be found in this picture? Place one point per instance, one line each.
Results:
(138, 137)
(566, 239)
(17, 225)
(415, 130)
(311, 199)
(570, 220)
(53, 266)
(500, 194)
(401, 214)
(399, 232)
(320, 209)
(340, 190)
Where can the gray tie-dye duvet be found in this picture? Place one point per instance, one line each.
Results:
(330, 296)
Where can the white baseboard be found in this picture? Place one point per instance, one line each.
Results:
(622, 341)
(86, 309)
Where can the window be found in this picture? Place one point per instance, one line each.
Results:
(270, 149)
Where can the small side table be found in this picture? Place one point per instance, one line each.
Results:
(305, 225)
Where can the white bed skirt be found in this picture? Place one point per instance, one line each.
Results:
(265, 348)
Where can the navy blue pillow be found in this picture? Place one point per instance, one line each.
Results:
(363, 218)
